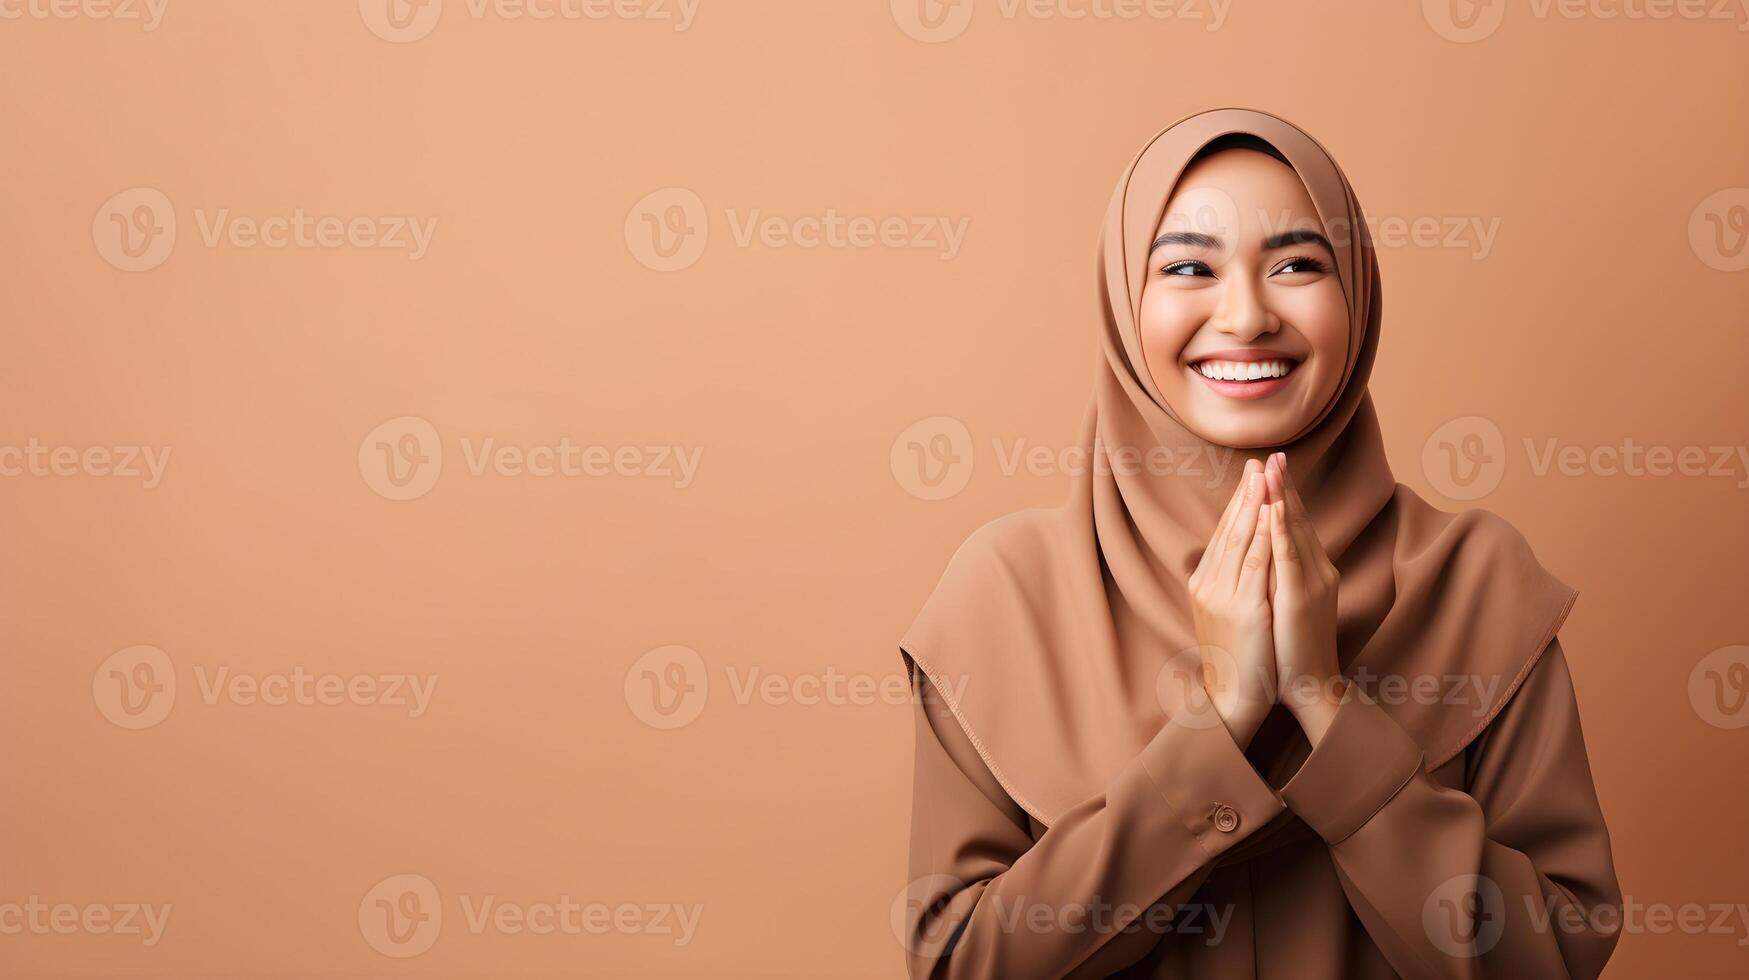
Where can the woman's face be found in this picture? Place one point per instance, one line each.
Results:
(1244, 326)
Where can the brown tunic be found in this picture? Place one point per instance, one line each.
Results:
(1497, 863)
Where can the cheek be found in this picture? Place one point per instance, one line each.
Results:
(1168, 319)
(1322, 319)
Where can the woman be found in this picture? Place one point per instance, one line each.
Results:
(1284, 720)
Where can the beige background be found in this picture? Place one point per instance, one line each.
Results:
(1605, 153)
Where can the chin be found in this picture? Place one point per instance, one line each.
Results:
(1242, 433)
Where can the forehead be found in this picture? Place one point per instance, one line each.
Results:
(1238, 187)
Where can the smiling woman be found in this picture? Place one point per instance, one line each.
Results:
(1244, 333)
(1179, 694)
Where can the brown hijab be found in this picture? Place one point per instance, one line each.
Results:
(1051, 630)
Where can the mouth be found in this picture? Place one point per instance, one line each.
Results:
(1245, 373)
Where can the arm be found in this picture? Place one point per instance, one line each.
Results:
(1513, 877)
(978, 879)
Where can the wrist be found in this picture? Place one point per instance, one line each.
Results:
(1242, 719)
(1314, 702)
(1242, 728)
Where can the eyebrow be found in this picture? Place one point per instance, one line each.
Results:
(1196, 239)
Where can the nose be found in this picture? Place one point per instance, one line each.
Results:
(1242, 312)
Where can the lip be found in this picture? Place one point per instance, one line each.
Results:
(1246, 390)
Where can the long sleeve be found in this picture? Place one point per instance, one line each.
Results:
(1512, 878)
(1095, 892)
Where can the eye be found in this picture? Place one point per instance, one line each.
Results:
(1187, 267)
(1302, 263)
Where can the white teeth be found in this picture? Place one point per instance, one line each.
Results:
(1243, 370)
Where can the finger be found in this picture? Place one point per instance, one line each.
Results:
(1254, 571)
(1299, 520)
(1211, 556)
(1286, 552)
(1240, 534)
(1237, 500)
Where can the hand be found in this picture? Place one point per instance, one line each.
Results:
(1229, 599)
(1303, 601)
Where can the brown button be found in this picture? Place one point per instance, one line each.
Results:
(1226, 819)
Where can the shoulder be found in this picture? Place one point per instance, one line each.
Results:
(1002, 567)
(1475, 534)
(1006, 541)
